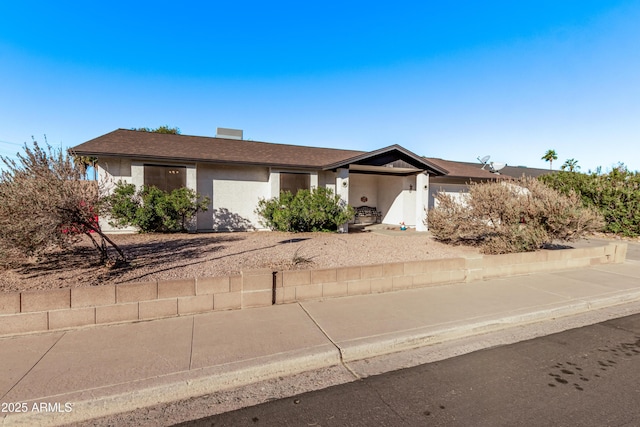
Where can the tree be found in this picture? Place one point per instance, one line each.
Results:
(45, 202)
(161, 129)
(571, 165)
(550, 156)
(616, 194)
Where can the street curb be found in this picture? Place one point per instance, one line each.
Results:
(172, 390)
(189, 384)
(421, 337)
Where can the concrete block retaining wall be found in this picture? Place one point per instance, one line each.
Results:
(37, 311)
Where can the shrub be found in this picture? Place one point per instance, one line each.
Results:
(153, 210)
(315, 210)
(45, 203)
(615, 194)
(517, 216)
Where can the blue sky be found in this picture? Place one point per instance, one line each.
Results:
(455, 80)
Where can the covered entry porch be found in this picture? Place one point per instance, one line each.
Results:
(393, 181)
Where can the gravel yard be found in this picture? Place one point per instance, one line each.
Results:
(177, 256)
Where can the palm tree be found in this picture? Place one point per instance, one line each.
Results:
(571, 164)
(550, 156)
(84, 162)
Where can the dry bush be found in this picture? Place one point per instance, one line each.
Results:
(296, 261)
(511, 216)
(45, 202)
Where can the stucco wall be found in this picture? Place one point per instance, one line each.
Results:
(455, 190)
(114, 169)
(234, 193)
(327, 179)
(397, 199)
(235, 190)
(110, 171)
(362, 185)
(394, 196)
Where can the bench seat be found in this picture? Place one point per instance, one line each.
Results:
(367, 212)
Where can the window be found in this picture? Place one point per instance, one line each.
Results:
(294, 182)
(166, 178)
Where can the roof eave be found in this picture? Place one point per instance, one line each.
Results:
(196, 160)
(429, 166)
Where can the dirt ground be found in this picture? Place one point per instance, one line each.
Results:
(176, 256)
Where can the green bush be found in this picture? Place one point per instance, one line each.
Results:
(615, 194)
(315, 210)
(506, 217)
(153, 210)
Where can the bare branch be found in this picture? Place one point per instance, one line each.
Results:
(45, 202)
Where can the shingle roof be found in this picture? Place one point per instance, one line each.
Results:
(156, 146)
(463, 169)
(474, 170)
(518, 171)
(390, 154)
(150, 145)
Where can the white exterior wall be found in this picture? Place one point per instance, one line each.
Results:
(110, 171)
(422, 201)
(235, 190)
(397, 197)
(274, 183)
(409, 201)
(390, 199)
(137, 174)
(455, 190)
(114, 169)
(327, 179)
(364, 186)
(313, 182)
(343, 181)
(234, 193)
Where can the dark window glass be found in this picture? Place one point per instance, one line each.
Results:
(294, 182)
(166, 178)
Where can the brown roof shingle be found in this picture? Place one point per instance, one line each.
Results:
(474, 170)
(463, 169)
(156, 146)
(150, 145)
(518, 171)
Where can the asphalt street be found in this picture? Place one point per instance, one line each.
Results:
(587, 376)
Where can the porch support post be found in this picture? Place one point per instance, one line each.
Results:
(342, 190)
(422, 200)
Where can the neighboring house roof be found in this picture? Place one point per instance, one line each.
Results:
(168, 147)
(518, 171)
(463, 169)
(475, 171)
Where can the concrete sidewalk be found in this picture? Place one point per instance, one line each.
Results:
(85, 373)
